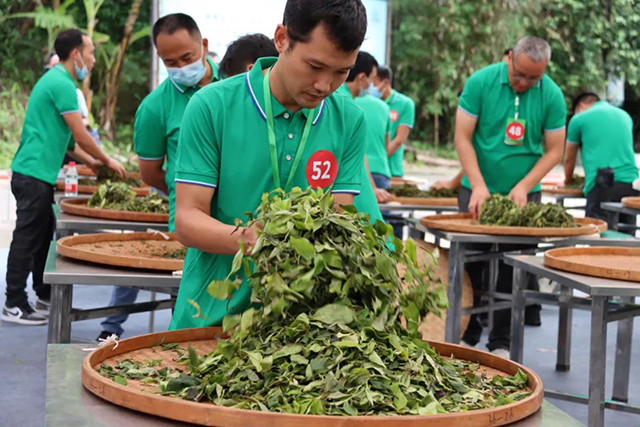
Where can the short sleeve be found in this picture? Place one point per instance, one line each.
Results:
(66, 99)
(82, 104)
(574, 131)
(408, 114)
(198, 146)
(149, 134)
(349, 177)
(471, 97)
(556, 118)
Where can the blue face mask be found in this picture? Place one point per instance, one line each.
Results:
(81, 73)
(374, 91)
(190, 74)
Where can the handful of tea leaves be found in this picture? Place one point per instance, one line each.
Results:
(501, 210)
(577, 182)
(408, 190)
(120, 196)
(109, 175)
(327, 336)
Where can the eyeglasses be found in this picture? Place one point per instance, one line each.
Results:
(522, 76)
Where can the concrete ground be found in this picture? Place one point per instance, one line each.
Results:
(23, 364)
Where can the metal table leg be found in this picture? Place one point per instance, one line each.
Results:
(565, 318)
(597, 361)
(494, 264)
(517, 314)
(623, 357)
(152, 314)
(59, 317)
(454, 291)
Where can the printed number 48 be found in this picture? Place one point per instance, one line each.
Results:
(515, 130)
(317, 170)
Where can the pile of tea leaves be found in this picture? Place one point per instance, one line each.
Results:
(325, 335)
(173, 253)
(408, 190)
(120, 196)
(109, 175)
(501, 210)
(577, 183)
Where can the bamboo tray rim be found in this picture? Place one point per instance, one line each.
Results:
(439, 222)
(78, 206)
(554, 258)
(65, 247)
(561, 191)
(90, 189)
(631, 202)
(208, 414)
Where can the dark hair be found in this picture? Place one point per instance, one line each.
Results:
(244, 51)
(385, 73)
(507, 51)
(66, 41)
(365, 63)
(587, 96)
(345, 20)
(169, 24)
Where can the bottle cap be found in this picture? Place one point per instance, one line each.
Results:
(72, 163)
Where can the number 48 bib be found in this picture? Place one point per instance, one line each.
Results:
(515, 132)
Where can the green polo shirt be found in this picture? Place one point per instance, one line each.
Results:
(488, 96)
(402, 112)
(378, 127)
(46, 137)
(605, 136)
(224, 145)
(366, 201)
(157, 128)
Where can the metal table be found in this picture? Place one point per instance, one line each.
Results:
(412, 208)
(560, 199)
(67, 224)
(68, 403)
(614, 210)
(62, 273)
(603, 310)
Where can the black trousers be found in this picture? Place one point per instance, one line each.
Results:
(35, 225)
(500, 334)
(615, 193)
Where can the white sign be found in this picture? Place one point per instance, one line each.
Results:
(223, 21)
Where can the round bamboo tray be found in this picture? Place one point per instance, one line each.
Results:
(631, 202)
(398, 182)
(433, 327)
(463, 223)
(607, 262)
(84, 170)
(90, 189)
(203, 340)
(79, 207)
(426, 201)
(133, 250)
(561, 191)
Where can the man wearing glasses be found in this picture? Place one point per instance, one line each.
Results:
(510, 131)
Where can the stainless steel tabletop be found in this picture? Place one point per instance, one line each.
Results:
(69, 404)
(590, 285)
(486, 238)
(617, 207)
(66, 271)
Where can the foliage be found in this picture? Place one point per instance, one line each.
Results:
(408, 190)
(577, 182)
(13, 106)
(501, 210)
(120, 196)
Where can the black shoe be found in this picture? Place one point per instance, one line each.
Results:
(23, 314)
(104, 335)
(532, 316)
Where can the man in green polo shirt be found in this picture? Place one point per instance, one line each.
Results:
(402, 114)
(183, 51)
(604, 135)
(357, 88)
(510, 130)
(53, 118)
(278, 126)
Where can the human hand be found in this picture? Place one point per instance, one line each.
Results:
(478, 196)
(382, 196)
(116, 166)
(519, 195)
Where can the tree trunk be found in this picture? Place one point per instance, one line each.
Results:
(436, 129)
(113, 78)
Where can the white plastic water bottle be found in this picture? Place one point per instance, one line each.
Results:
(71, 181)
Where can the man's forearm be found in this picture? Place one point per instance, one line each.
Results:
(82, 156)
(198, 230)
(394, 146)
(541, 169)
(156, 180)
(88, 144)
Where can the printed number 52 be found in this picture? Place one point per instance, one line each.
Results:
(317, 170)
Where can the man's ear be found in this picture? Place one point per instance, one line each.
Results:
(205, 45)
(281, 39)
(249, 67)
